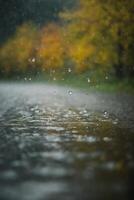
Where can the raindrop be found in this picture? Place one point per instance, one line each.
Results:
(115, 121)
(69, 70)
(70, 92)
(107, 139)
(37, 111)
(32, 109)
(88, 80)
(33, 60)
(106, 115)
(85, 111)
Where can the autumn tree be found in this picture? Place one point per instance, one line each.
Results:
(16, 55)
(101, 34)
(51, 49)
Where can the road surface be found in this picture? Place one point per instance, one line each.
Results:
(62, 143)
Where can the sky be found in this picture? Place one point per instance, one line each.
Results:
(15, 12)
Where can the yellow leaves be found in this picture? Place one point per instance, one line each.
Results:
(15, 54)
(81, 52)
(91, 37)
(105, 57)
(51, 49)
(105, 25)
(47, 46)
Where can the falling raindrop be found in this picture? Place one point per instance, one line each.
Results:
(107, 139)
(106, 115)
(115, 121)
(33, 60)
(69, 70)
(88, 80)
(70, 92)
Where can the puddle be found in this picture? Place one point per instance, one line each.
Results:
(64, 153)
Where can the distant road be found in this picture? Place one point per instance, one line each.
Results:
(20, 95)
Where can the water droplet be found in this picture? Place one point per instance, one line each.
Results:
(33, 60)
(107, 139)
(88, 80)
(54, 79)
(69, 70)
(106, 77)
(70, 92)
(106, 115)
(115, 121)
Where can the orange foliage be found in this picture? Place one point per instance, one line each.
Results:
(16, 53)
(81, 54)
(51, 51)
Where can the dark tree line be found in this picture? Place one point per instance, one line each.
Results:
(16, 12)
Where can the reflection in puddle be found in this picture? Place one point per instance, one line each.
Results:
(35, 190)
(57, 153)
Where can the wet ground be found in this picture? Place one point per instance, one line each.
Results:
(60, 143)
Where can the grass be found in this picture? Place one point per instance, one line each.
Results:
(118, 86)
(112, 85)
(96, 83)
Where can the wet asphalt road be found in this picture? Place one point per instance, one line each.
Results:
(61, 143)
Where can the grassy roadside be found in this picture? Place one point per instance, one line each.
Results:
(82, 82)
(115, 85)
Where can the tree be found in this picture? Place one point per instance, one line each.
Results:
(51, 51)
(16, 55)
(107, 29)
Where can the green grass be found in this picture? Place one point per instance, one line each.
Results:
(97, 82)
(117, 86)
(113, 85)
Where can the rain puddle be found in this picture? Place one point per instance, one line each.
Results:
(64, 153)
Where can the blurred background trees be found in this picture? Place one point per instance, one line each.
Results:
(102, 34)
(16, 55)
(51, 49)
(93, 35)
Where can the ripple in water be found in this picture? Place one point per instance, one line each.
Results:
(54, 151)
